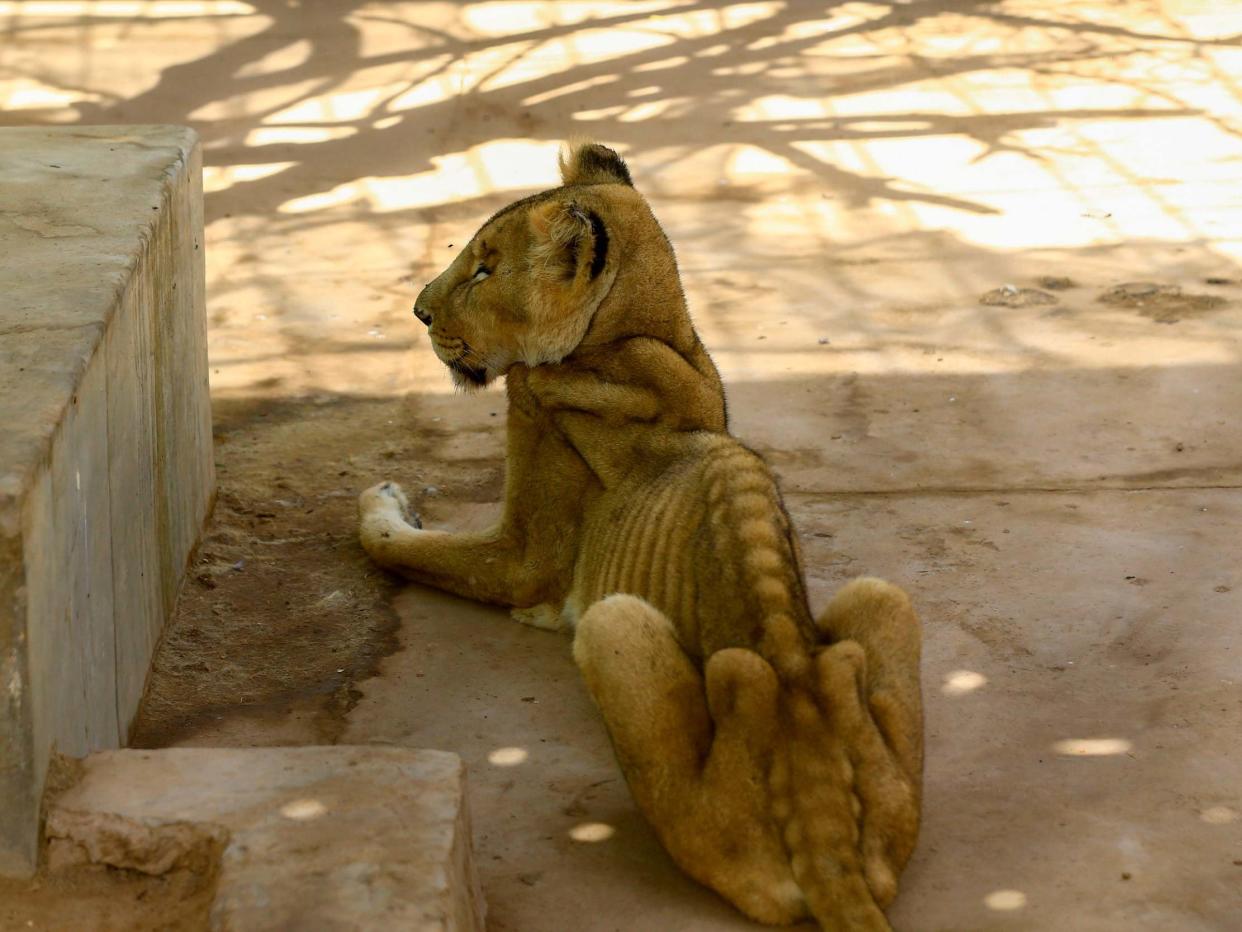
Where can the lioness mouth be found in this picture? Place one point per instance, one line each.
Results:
(475, 375)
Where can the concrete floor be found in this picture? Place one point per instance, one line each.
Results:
(1054, 477)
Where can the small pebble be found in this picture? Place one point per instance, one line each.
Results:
(431, 490)
(1013, 296)
(823, 341)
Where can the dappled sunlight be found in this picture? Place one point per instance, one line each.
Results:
(499, 18)
(294, 135)
(746, 163)
(221, 177)
(592, 832)
(26, 94)
(499, 165)
(1005, 901)
(303, 810)
(1093, 747)
(894, 160)
(284, 58)
(508, 757)
(342, 107)
(1219, 815)
(150, 9)
(439, 87)
(963, 682)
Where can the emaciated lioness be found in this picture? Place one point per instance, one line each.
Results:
(777, 755)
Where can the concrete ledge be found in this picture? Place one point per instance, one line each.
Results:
(106, 468)
(312, 837)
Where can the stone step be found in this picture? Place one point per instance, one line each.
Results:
(319, 838)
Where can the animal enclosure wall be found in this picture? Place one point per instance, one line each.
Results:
(106, 471)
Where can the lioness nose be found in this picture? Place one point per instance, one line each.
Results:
(424, 316)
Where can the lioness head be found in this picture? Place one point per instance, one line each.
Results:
(527, 285)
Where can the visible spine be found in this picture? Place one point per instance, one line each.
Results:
(743, 503)
(809, 784)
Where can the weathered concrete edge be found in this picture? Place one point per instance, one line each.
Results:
(468, 912)
(18, 844)
(189, 168)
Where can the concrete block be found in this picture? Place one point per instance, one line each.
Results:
(106, 471)
(311, 837)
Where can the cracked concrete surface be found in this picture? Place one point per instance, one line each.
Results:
(1056, 482)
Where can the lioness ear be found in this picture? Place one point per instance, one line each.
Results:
(568, 239)
(591, 163)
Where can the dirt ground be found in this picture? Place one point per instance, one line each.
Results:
(971, 273)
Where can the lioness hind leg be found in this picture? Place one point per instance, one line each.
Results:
(650, 695)
(879, 617)
(701, 785)
(870, 678)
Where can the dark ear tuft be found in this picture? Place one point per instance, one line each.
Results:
(564, 235)
(591, 163)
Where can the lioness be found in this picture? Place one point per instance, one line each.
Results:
(778, 756)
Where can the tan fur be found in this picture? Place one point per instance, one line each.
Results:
(778, 756)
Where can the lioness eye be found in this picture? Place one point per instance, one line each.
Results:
(481, 273)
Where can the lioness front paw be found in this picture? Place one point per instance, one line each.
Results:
(387, 499)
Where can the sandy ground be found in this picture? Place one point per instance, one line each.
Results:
(860, 195)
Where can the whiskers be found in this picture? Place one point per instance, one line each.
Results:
(469, 369)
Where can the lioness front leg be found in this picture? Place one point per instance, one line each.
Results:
(527, 559)
(486, 566)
